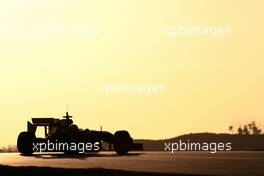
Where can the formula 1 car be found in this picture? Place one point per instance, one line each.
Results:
(61, 135)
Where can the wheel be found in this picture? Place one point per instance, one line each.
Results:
(25, 143)
(124, 141)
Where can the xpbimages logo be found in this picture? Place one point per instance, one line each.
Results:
(211, 147)
(79, 147)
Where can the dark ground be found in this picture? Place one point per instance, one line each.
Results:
(137, 163)
(47, 171)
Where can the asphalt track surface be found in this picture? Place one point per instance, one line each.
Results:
(220, 163)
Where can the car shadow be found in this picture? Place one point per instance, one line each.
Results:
(82, 156)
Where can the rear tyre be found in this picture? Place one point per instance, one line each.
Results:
(25, 143)
(124, 141)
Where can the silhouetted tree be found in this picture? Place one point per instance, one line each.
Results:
(231, 129)
(239, 130)
(250, 128)
(245, 130)
(253, 129)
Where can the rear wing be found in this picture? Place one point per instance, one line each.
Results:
(44, 121)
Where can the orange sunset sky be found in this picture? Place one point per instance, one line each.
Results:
(211, 82)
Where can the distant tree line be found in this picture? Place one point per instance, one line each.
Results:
(8, 149)
(250, 128)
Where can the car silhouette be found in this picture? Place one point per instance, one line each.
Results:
(64, 136)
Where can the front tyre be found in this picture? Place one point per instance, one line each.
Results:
(124, 141)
